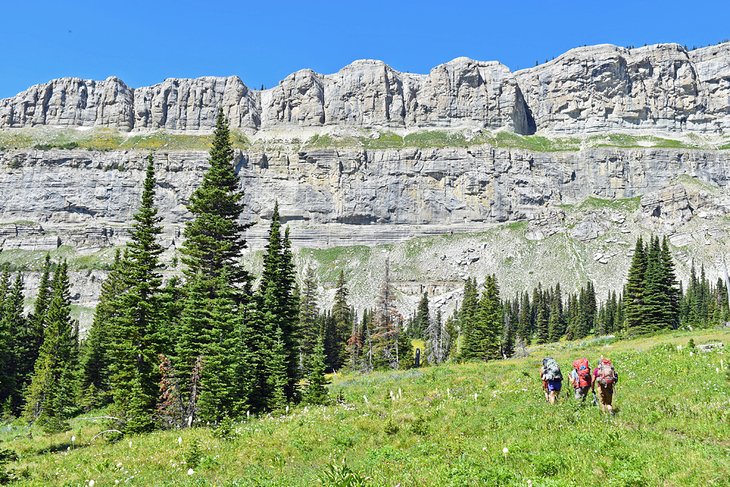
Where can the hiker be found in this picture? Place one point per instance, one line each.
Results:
(580, 378)
(605, 378)
(552, 379)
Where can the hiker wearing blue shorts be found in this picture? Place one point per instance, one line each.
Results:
(552, 379)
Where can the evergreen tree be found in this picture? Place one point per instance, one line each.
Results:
(95, 354)
(310, 329)
(524, 326)
(421, 320)
(277, 308)
(316, 391)
(214, 237)
(472, 335)
(221, 395)
(52, 395)
(23, 344)
(134, 334)
(587, 307)
(510, 329)
(543, 323)
(670, 286)
(634, 295)
(554, 322)
(491, 318)
(342, 316)
(276, 374)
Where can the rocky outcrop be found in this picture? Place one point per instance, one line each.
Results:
(71, 102)
(661, 88)
(88, 198)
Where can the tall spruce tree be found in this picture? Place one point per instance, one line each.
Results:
(421, 320)
(310, 329)
(135, 341)
(211, 254)
(343, 318)
(491, 318)
(12, 326)
(276, 309)
(634, 295)
(472, 334)
(316, 390)
(52, 396)
(95, 353)
(214, 237)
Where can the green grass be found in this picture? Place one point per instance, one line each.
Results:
(105, 139)
(32, 260)
(441, 426)
(639, 141)
(622, 204)
(534, 143)
(329, 261)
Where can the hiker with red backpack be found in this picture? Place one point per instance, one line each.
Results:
(605, 379)
(580, 378)
(552, 379)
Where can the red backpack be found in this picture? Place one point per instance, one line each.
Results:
(606, 373)
(584, 372)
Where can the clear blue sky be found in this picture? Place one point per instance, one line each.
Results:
(144, 42)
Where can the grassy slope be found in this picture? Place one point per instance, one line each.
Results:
(105, 139)
(447, 425)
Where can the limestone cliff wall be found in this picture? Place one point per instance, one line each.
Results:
(662, 87)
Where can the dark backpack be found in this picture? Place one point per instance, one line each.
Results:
(551, 369)
(606, 375)
(583, 369)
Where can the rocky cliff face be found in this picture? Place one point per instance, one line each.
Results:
(662, 87)
(84, 200)
(569, 214)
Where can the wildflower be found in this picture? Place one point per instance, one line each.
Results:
(130, 443)
(191, 471)
(92, 483)
(179, 440)
(73, 439)
(505, 450)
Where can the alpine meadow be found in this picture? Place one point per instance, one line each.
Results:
(473, 277)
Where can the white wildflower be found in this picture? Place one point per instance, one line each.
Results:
(179, 440)
(92, 483)
(130, 443)
(73, 439)
(191, 471)
(505, 450)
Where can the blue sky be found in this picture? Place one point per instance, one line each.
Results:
(263, 41)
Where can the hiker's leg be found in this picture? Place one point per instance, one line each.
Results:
(601, 398)
(609, 399)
